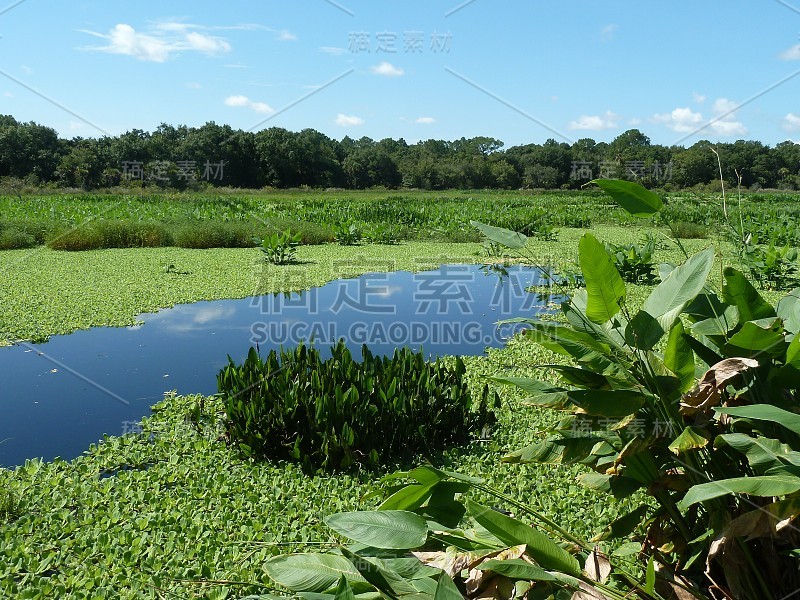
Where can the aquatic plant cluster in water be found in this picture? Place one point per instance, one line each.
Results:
(335, 413)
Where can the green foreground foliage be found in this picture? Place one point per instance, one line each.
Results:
(692, 399)
(336, 413)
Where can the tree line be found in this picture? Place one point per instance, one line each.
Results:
(217, 155)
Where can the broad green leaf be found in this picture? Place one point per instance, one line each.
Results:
(762, 453)
(624, 526)
(344, 591)
(789, 375)
(741, 293)
(604, 285)
(789, 310)
(555, 451)
(504, 237)
(617, 486)
(719, 325)
(631, 196)
(679, 289)
(516, 568)
(446, 589)
(644, 331)
(679, 358)
(310, 572)
(775, 485)
(391, 529)
(580, 377)
(765, 412)
(384, 579)
(688, 440)
(513, 532)
(650, 577)
(607, 403)
(531, 386)
(410, 497)
(757, 338)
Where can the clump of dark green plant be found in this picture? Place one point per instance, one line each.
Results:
(14, 239)
(112, 234)
(635, 262)
(199, 235)
(381, 233)
(685, 230)
(348, 235)
(280, 248)
(9, 505)
(336, 413)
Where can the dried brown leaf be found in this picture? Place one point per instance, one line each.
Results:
(597, 567)
(708, 393)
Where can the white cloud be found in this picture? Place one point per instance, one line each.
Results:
(74, 125)
(387, 70)
(724, 122)
(333, 50)
(425, 121)
(607, 33)
(193, 85)
(207, 44)
(286, 36)
(792, 53)
(634, 122)
(595, 122)
(162, 43)
(682, 120)
(348, 121)
(8, 94)
(791, 122)
(698, 98)
(26, 69)
(245, 102)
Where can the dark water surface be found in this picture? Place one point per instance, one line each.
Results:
(60, 396)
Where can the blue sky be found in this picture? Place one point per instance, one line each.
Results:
(520, 71)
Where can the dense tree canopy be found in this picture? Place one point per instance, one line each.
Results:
(184, 157)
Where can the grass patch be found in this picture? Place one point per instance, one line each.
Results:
(684, 230)
(112, 234)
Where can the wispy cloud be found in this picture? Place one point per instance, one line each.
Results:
(792, 53)
(791, 122)
(333, 50)
(425, 121)
(164, 41)
(387, 69)
(595, 122)
(245, 102)
(343, 120)
(607, 33)
(698, 98)
(286, 36)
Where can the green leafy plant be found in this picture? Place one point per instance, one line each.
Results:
(348, 235)
(382, 233)
(336, 413)
(635, 262)
(773, 267)
(280, 248)
(691, 400)
(9, 505)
